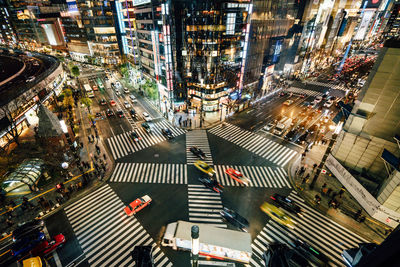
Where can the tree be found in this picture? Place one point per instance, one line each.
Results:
(11, 112)
(87, 102)
(75, 71)
(150, 88)
(68, 99)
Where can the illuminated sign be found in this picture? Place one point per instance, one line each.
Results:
(72, 6)
(140, 2)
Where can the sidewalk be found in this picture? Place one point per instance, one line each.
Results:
(345, 212)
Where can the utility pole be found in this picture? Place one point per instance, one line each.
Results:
(195, 245)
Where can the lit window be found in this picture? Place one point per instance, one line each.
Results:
(230, 23)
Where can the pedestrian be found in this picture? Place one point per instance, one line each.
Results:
(96, 157)
(92, 137)
(315, 166)
(97, 149)
(9, 222)
(304, 180)
(329, 191)
(89, 139)
(104, 156)
(342, 190)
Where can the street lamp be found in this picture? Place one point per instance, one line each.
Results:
(195, 245)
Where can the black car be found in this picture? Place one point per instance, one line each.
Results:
(143, 256)
(103, 102)
(198, 152)
(98, 115)
(279, 254)
(167, 133)
(310, 252)
(120, 113)
(211, 184)
(109, 113)
(132, 112)
(286, 204)
(290, 135)
(235, 219)
(302, 138)
(27, 229)
(135, 136)
(146, 127)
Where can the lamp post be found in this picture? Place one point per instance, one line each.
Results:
(201, 104)
(195, 245)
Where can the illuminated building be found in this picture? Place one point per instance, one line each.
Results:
(392, 28)
(7, 34)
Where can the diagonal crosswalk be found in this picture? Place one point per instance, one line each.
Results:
(260, 176)
(268, 149)
(198, 138)
(158, 173)
(106, 234)
(332, 85)
(204, 206)
(122, 144)
(296, 90)
(327, 236)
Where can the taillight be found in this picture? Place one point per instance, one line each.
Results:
(273, 198)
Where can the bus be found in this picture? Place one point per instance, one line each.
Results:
(215, 242)
(100, 84)
(88, 90)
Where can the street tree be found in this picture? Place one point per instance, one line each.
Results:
(75, 71)
(87, 102)
(10, 113)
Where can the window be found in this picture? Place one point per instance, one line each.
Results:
(230, 23)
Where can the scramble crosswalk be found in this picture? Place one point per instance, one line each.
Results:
(268, 149)
(199, 139)
(105, 233)
(150, 173)
(296, 90)
(204, 206)
(122, 144)
(327, 236)
(328, 84)
(259, 176)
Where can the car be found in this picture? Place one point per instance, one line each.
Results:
(103, 102)
(126, 90)
(113, 103)
(120, 113)
(95, 88)
(147, 117)
(109, 113)
(318, 99)
(98, 115)
(27, 228)
(143, 256)
(135, 137)
(146, 127)
(277, 215)
(290, 135)
(137, 205)
(167, 133)
(204, 167)
(269, 126)
(302, 137)
(117, 92)
(198, 152)
(127, 105)
(288, 102)
(328, 103)
(30, 79)
(282, 94)
(286, 204)
(310, 252)
(24, 245)
(132, 112)
(280, 254)
(211, 184)
(45, 247)
(237, 176)
(133, 98)
(235, 219)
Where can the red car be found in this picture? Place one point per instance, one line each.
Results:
(46, 247)
(137, 205)
(112, 103)
(238, 176)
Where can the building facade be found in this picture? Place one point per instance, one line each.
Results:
(7, 33)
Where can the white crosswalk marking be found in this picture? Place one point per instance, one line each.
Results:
(255, 143)
(297, 90)
(204, 206)
(319, 231)
(122, 144)
(329, 84)
(260, 176)
(198, 138)
(106, 234)
(169, 173)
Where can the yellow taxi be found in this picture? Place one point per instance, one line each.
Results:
(277, 215)
(34, 262)
(204, 167)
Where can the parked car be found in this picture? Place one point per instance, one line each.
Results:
(147, 117)
(235, 219)
(137, 205)
(286, 204)
(198, 152)
(27, 228)
(45, 247)
(211, 184)
(103, 102)
(167, 133)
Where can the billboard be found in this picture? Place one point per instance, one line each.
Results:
(372, 3)
(363, 27)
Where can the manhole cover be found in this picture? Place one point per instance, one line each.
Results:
(156, 155)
